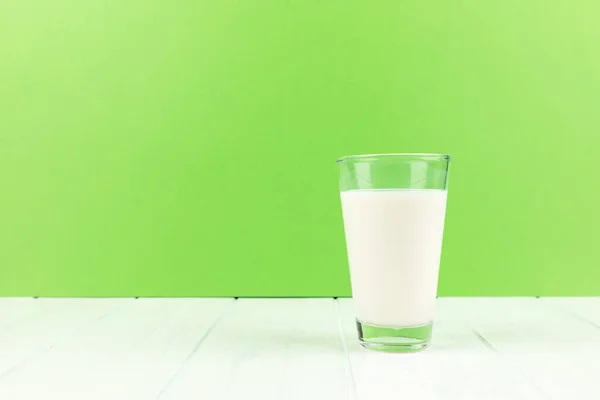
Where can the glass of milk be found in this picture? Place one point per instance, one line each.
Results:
(393, 207)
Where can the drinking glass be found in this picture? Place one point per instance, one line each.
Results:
(393, 207)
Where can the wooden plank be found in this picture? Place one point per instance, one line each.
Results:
(129, 354)
(557, 351)
(585, 308)
(268, 349)
(43, 324)
(14, 310)
(459, 365)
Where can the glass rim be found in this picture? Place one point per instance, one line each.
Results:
(372, 157)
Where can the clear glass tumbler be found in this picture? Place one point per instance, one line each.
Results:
(394, 207)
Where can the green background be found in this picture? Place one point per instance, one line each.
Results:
(187, 148)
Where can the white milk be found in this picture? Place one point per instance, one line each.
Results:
(394, 241)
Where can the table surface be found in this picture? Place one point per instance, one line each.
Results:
(483, 348)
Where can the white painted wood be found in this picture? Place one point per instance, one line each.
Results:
(268, 349)
(585, 308)
(130, 354)
(483, 348)
(458, 366)
(43, 323)
(16, 310)
(556, 350)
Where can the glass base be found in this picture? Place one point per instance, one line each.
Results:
(394, 340)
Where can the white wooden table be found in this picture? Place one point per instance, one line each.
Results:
(111, 349)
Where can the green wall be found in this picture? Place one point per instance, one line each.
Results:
(187, 148)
